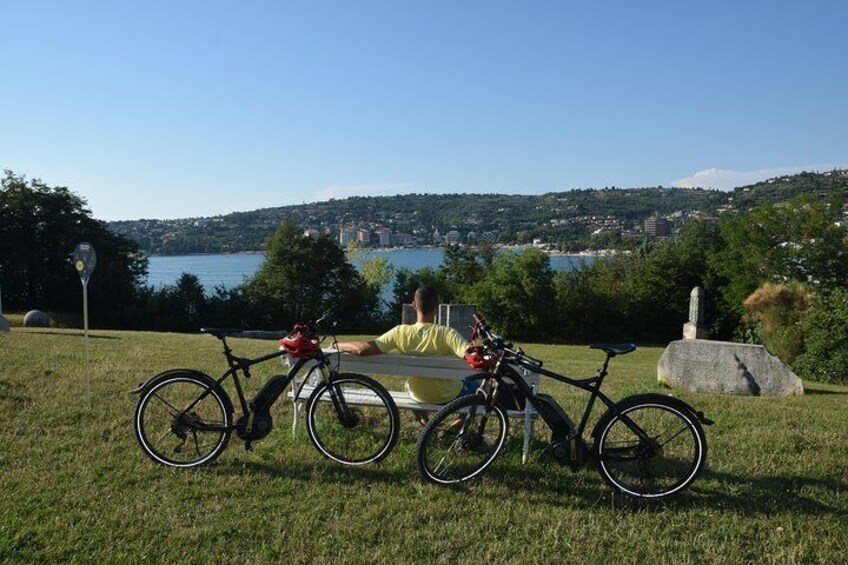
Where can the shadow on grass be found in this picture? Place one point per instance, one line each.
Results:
(818, 391)
(63, 334)
(544, 482)
(7, 392)
(315, 471)
(764, 495)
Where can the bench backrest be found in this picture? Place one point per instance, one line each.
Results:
(436, 367)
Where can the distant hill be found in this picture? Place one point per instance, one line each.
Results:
(779, 189)
(557, 217)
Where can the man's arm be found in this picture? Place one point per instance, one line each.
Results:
(456, 342)
(361, 348)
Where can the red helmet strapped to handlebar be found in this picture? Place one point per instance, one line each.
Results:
(301, 342)
(477, 358)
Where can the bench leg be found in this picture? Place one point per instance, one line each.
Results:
(528, 435)
(296, 411)
(528, 427)
(296, 408)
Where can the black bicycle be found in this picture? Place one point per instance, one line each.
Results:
(646, 445)
(184, 418)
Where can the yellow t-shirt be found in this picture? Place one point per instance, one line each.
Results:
(426, 339)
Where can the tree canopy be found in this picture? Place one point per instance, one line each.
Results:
(303, 278)
(39, 228)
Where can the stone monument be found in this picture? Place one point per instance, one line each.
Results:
(701, 365)
(698, 364)
(695, 328)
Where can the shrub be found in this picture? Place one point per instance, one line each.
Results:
(775, 311)
(826, 338)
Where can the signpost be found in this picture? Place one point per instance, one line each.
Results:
(85, 260)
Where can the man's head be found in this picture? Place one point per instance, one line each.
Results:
(426, 301)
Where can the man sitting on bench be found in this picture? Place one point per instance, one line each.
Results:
(421, 338)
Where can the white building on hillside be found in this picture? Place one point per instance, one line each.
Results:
(346, 235)
(385, 237)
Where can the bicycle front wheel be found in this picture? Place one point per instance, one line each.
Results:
(666, 458)
(461, 440)
(352, 419)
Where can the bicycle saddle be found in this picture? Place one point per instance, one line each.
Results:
(221, 332)
(614, 349)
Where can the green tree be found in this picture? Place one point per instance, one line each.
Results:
(798, 240)
(517, 295)
(182, 306)
(463, 267)
(303, 278)
(658, 287)
(407, 281)
(825, 331)
(39, 227)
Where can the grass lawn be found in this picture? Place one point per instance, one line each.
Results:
(75, 485)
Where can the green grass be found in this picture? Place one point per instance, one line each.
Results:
(16, 320)
(74, 485)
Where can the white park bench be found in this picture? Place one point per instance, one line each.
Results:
(410, 366)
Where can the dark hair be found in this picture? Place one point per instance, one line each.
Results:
(426, 299)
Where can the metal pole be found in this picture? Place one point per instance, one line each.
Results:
(85, 326)
(85, 307)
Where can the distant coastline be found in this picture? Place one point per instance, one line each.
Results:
(508, 247)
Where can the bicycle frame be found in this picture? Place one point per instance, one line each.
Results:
(267, 395)
(591, 385)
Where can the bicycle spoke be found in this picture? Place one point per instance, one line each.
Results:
(174, 411)
(164, 435)
(683, 429)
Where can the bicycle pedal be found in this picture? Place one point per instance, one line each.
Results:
(248, 446)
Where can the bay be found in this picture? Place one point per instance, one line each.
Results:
(231, 270)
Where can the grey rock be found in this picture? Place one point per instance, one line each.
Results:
(700, 365)
(37, 319)
(408, 316)
(5, 326)
(457, 316)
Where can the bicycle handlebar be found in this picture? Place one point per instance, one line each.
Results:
(326, 321)
(532, 360)
(493, 341)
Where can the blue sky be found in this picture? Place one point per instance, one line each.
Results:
(176, 109)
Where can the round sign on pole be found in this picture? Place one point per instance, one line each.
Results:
(85, 260)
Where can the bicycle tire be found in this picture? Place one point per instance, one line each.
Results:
(628, 464)
(363, 415)
(440, 435)
(170, 394)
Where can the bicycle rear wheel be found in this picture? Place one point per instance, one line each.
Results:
(663, 464)
(172, 436)
(461, 440)
(352, 419)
